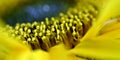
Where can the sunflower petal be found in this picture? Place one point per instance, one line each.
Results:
(59, 52)
(9, 46)
(111, 10)
(98, 48)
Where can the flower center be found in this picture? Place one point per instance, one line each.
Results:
(67, 28)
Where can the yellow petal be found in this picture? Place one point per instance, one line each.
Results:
(40, 55)
(98, 48)
(58, 53)
(9, 47)
(111, 30)
(106, 45)
(109, 11)
(110, 25)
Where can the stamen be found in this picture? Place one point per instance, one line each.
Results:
(67, 28)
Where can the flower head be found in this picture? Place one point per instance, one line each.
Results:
(87, 32)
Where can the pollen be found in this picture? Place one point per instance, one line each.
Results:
(67, 28)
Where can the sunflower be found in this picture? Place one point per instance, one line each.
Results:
(95, 37)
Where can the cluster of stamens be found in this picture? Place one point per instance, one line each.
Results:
(67, 28)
